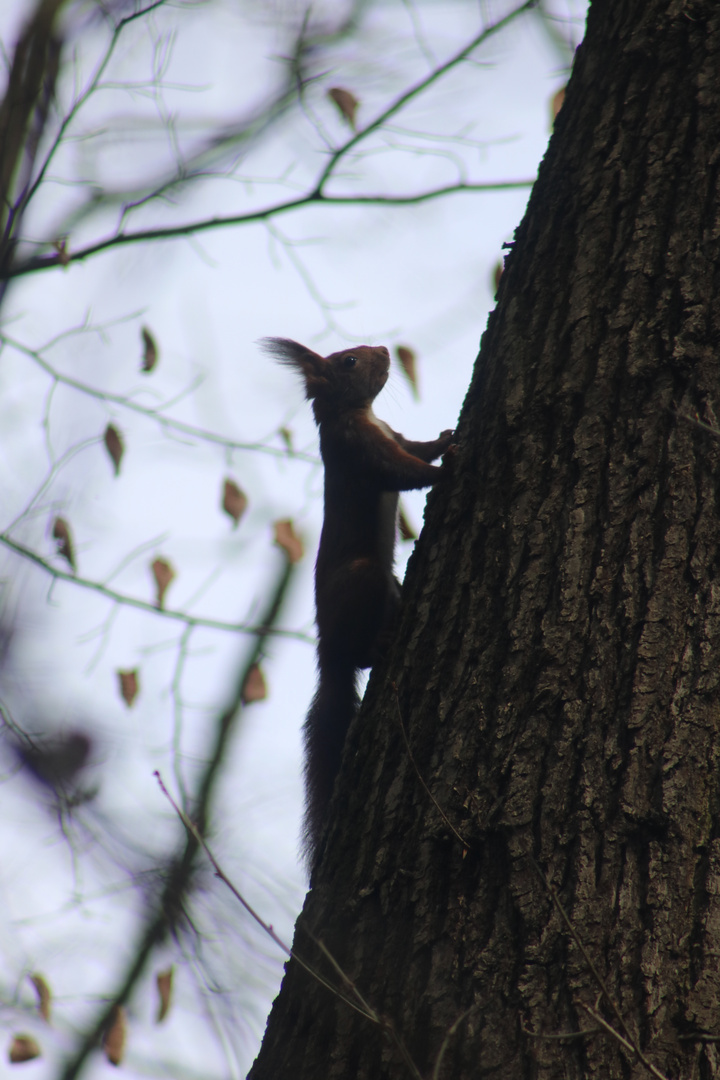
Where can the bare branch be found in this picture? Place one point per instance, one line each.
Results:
(89, 90)
(170, 232)
(624, 1036)
(155, 414)
(143, 605)
(316, 195)
(169, 906)
(419, 88)
(367, 1012)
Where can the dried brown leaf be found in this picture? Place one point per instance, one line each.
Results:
(234, 500)
(61, 533)
(114, 446)
(163, 574)
(150, 350)
(407, 532)
(164, 981)
(129, 686)
(44, 996)
(406, 359)
(23, 1048)
(288, 540)
(255, 688)
(115, 1035)
(61, 247)
(557, 103)
(346, 102)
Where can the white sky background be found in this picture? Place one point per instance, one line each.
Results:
(327, 276)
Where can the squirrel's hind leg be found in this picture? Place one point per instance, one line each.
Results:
(361, 600)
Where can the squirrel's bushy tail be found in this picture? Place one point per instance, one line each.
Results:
(333, 707)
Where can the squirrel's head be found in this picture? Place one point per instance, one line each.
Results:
(349, 379)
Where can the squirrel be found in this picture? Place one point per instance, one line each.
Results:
(357, 596)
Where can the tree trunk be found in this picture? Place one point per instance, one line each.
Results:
(546, 841)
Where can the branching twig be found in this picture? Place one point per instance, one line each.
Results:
(232, 138)
(90, 88)
(144, 605)
(171, 232)
(418, 89)
(627, 1043)
(176, 890)
(625, 1036)
(427, 790)
(326, 306)
(31, 508)
(359, 1004)
(386, 1025)
(267, 927)
(315, 195)
(154, 414)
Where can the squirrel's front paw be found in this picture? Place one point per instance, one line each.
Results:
(448, 458)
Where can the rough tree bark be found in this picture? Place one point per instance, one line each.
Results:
(558, 663)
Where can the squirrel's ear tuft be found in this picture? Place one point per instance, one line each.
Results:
(311, 366)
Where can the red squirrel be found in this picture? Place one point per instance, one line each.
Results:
(356, 593)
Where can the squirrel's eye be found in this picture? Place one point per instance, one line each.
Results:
(350, 361)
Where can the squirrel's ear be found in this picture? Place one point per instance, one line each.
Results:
(312, 366)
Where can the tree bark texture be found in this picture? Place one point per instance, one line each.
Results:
(557, 669)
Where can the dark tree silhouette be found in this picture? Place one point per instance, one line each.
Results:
(521, 874)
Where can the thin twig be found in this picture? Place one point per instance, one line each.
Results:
(387, 1026)
(628, 1044)
(429, 793)
(219, 872)
(267, 927)
(697, 423)
(154, 414)
(176, 693)
(169, 232)
(626, 1038)
(359, 1004)
(418, 89)
(204, 161)
(560, 1036)
(90, 88)
(452, 1030)
(144, 605)
(170, 904)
